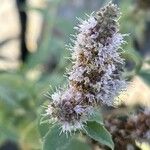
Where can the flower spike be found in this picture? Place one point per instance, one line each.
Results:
(96, 75)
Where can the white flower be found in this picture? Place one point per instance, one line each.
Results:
(67, 95)
(134, 118)
(78, 96)
(81, 38)
(69, 127)
(147, 111)
(86, 25)
(147, 135)
(91, 98)
(79, 109)
(87, 80)
(49, 110)
(97, 86)
(77, 74)
(90, 110)
(56, 97)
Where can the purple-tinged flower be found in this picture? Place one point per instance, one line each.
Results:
(96, 75)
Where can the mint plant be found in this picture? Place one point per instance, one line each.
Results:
(96, 79)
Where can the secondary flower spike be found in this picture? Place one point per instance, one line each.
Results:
(96, 75)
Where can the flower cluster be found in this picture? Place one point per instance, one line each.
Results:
(126, 129)
(96, 74)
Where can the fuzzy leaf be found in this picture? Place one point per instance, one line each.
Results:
(98, 132)
(55, 141)
(43, 127)
(97, 117)
(77, 144)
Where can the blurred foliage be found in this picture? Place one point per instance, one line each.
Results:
(22, 91)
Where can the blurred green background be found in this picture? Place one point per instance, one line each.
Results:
(33, 59)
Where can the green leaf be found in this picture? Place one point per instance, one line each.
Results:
(77, 144)
(14, 88)
(133, 56)
(97, 117)
(145, 75)
(43, 126)
(98, 132)
(7, 96)
(55, 141)
(7, 133)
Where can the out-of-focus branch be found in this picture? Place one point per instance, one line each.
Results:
(23, 25)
